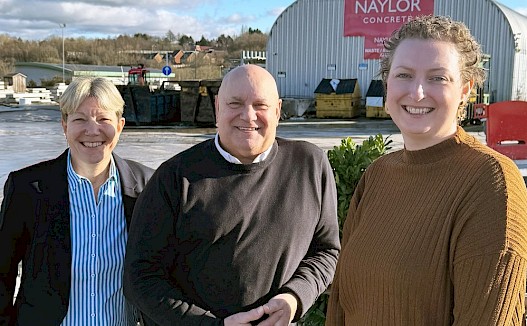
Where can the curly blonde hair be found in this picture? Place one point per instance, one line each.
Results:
(438, 28)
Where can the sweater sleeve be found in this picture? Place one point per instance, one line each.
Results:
(317, 269)
(335, 313)
(149, 254)
(489, 250)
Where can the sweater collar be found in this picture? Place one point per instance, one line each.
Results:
(439, 151)
(232, 159)
(245, 167)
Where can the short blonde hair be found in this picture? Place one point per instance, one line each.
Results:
(107, 95)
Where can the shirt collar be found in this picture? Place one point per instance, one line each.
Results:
(232, 159)
(74, 178)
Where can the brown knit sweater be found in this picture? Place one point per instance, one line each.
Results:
(434, 237)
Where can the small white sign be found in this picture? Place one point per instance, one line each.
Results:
(374, 101)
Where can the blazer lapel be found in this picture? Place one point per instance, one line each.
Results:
(129, 187)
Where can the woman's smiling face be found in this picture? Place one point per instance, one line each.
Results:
(424, 91)
(92, 133)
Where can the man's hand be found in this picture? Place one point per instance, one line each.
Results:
(244, 318)
(281, 310)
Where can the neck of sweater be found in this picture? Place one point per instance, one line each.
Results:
(243, 167)
(439, 151)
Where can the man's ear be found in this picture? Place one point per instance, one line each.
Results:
(278, 109)
(216, 107)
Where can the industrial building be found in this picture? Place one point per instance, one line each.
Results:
(38, 71)
(307, 44)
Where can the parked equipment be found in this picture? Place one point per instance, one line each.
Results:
(174, 102)
(138, 75)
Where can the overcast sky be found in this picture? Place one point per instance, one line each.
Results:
(39, 19)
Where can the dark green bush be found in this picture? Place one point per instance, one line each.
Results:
(348, 160)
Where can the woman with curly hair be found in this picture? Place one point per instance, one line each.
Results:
(436, 233)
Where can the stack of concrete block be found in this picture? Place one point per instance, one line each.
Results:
(57, 90)
(38, 95)
(4, 91)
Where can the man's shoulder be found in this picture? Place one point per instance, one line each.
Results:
(301, 153)
(189, 156)
(298, 145)
(197, 150)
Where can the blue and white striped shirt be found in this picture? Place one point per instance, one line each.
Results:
(98, 236)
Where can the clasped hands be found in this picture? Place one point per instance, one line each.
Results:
(280, 309)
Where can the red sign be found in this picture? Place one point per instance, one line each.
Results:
(373, 47)
(377, 19)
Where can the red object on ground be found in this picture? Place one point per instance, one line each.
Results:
(507, 128)
(480, 111)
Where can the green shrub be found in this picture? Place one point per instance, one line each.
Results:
(349, 161)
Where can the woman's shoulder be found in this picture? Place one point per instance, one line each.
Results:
(45, 166)
(488, 162)
(137, 166)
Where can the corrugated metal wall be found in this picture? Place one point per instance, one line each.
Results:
(306, 44)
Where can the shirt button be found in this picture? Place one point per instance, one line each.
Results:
(92, 275)
(93, 215)
(93, 315)
(93, 255)
(93, 294)
(93, 235)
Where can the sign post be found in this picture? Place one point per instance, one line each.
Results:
(167, 70)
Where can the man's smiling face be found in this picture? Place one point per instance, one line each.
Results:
(247, 112)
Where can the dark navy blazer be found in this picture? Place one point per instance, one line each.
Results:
(35, 229)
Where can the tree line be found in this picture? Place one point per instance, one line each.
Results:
(118, 51)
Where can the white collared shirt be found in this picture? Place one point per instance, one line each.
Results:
(232, 159)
